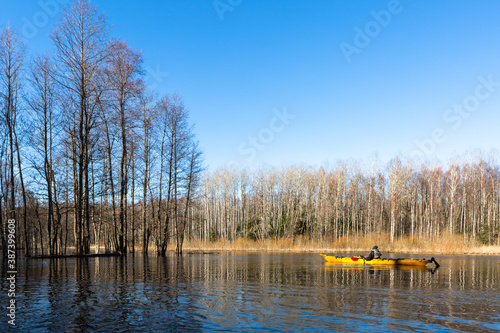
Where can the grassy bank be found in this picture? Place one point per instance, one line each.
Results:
(444, 245)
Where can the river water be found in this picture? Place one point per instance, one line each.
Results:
(251, 292)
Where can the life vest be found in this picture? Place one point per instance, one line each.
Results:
(376, 254)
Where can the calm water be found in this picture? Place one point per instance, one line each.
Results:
(252, 292)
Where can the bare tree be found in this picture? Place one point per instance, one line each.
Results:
(453, 179)
(420, 202)
(123, 74)
(80, 39)
(43, 104)
(110, 138)
(147, 120)
(192, 179)
(12, 54)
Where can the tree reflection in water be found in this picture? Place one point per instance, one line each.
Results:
(253, 291)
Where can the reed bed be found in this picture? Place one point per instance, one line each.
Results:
(449, 244)
(446, 245)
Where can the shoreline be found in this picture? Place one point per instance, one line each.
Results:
(361, 245)
(331, 251)
(443, 246)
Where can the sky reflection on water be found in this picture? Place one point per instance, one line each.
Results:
(253, 292)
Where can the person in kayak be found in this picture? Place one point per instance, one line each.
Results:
(374, 254)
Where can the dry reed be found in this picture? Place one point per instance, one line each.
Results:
(446, 244)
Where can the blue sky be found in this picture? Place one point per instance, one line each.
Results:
(308, 82)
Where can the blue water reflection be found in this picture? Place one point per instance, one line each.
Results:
(253, 292)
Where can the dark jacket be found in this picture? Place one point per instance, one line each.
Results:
(374, 254)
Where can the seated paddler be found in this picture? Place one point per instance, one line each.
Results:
(374, 254)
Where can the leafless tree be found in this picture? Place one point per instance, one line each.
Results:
(80, 40)
(401, 200)
(43, 103)
(12, 53)
(191, 182)
(124, 82)
(147, 120)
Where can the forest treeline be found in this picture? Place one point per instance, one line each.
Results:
(400, 200)
(91, 159)
(88, 154)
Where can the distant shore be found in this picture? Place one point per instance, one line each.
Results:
(361, 245)
(445, 245)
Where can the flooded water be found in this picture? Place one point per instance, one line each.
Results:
(251, 292)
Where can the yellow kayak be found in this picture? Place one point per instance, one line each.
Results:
(343, 266)
(358, 260)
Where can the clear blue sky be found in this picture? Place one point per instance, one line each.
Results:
(306, 82)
